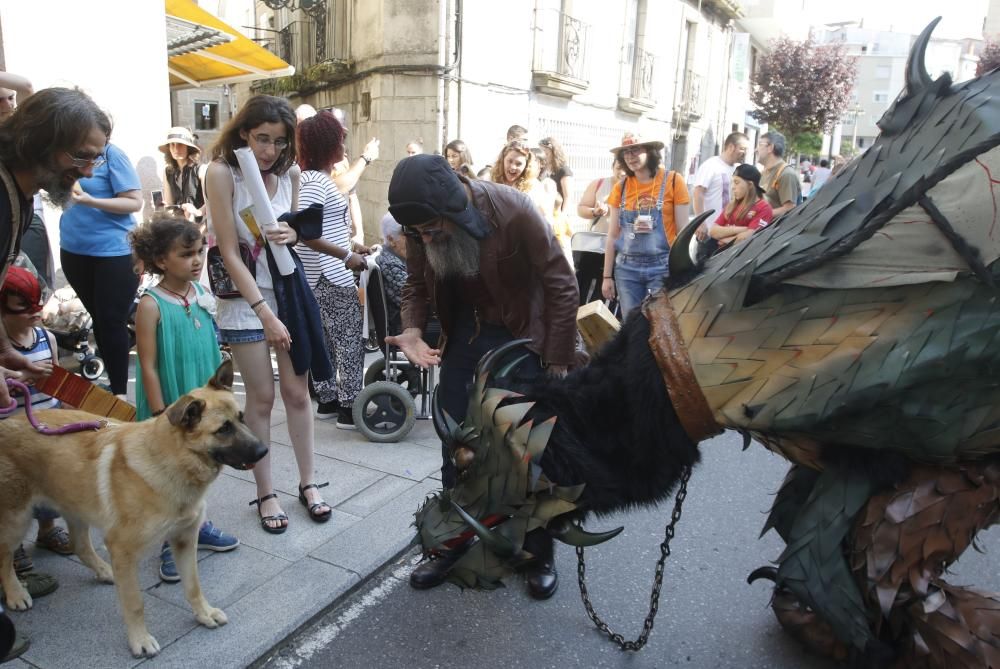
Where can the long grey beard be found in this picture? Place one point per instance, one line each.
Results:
(54, 192)
(458, 256)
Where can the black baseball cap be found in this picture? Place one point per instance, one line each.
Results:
(424, 188)
(748, 172)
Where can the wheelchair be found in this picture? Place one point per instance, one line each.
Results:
(396, 392)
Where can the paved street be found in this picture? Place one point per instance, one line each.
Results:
(709, 617)
(350, 573)
(271, 584)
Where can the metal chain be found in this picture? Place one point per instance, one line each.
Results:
(654, 597)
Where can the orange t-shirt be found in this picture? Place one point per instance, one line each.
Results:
(644, 196)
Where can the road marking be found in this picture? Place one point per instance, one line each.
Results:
(325, 634)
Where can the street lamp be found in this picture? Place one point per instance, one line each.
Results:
(856, 111)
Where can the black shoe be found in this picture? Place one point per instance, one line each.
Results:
(543, 580)
(345, 419)
(432, 572)
(327, 410)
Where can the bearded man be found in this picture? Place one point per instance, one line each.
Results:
(482, 258)
(52, 139)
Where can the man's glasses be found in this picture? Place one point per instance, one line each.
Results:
(280, 144)
(633, 150)
(424, 231)
(84, 163)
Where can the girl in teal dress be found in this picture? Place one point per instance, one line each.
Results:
(175, 337)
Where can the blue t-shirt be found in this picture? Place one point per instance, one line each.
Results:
(91, 232)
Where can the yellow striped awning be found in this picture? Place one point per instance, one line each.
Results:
(203, 50)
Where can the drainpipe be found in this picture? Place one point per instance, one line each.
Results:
(456, 66)
(444, 86)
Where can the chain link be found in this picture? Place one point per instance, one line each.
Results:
(654, 597)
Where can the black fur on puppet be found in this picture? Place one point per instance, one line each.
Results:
(616, 430)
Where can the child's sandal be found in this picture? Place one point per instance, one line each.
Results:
(277, 518)
(317, 516)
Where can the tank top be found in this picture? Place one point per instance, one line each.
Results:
(186, 355)
(236, 314)
(39, 351)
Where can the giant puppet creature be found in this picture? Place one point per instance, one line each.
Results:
(858, 337)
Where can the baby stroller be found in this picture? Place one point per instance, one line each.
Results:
(588, 258)
(386, 409)
(70, 323)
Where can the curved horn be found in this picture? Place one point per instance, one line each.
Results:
(680, 260)
(488, 361)
(574, 535)
(770, 573)
(917, 76)
(444, 424)
(500, 545)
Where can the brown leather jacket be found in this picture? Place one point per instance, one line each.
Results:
(524, 270)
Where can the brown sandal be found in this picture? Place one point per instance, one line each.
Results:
(277, 518)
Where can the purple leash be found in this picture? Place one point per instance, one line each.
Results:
(13, 384)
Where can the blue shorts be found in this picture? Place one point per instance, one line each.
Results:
(241, 336)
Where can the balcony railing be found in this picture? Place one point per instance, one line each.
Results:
(692, 104)
(297, 44)
(560, 55)
(642, 75)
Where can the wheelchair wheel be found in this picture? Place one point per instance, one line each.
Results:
(91, 368)
(371, 343)
(384, 412)
(408, 376)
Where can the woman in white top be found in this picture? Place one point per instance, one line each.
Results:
(593, 205)
(330, 262)
(250, 323)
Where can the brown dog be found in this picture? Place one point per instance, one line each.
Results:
(137, 482)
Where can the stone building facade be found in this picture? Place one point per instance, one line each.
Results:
(582, 71)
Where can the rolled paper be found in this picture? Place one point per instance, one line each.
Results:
(262, 211)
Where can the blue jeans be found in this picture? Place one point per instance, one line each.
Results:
(636, 276)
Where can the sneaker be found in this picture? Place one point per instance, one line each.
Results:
(345, 419)
(168, 568)
(327, 410)
(212, 538)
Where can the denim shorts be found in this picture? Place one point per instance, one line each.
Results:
(241, 336)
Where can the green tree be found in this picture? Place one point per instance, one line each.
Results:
(802, 87)
(805, 143)
(989, 58)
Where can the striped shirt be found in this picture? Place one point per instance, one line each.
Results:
(39, 351)
(317, 187)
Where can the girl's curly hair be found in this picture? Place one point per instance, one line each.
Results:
(152, 241)
(530, 172)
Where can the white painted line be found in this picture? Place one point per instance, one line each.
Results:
(325, 634)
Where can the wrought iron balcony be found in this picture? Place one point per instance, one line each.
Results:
(642, 75)
(560, 56)
(692, 103)
(639, 97)
(297, 44)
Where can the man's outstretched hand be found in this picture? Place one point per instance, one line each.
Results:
(416, 350)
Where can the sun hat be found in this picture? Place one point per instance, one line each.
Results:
(179, 135)
(424, 188)
(632, 139)
(748, 172)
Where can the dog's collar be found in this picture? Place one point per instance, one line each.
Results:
(672, 358)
